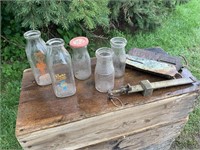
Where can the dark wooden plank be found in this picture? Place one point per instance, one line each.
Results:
(40, 109)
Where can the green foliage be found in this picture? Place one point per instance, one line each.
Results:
(9, 24)
(92, 13)
(13, 48)
(142, 14)
(14, 70)
(89, 14)
(36, 13)
(68, 35)
(12, 41)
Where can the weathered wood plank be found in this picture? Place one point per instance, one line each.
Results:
(157, 138)
(160, 146)
(88, 118)
(39, 108)
(111, 125)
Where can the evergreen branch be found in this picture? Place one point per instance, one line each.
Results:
(7, 40)
(92, 34)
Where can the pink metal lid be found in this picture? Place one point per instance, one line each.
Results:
(79, 42)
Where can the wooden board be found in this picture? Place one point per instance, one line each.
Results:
(111, 125)
(88, 117)
(159, 138)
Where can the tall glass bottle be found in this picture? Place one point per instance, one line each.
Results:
(104, 70)
(36, 54)
(60, 68)
(80, 58)
(119, 59)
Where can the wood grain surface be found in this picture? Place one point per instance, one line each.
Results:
(159, 138)
(111, 125)
(47, 122)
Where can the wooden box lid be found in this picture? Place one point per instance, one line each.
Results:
(40, 109)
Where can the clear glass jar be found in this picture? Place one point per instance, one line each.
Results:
(36, 54)
(119, 59)
(80, 58)
(104, 70)
(60, 68)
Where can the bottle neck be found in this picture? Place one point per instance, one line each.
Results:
(32, 35)
(33, 40)
(81, 50)
(118, 50)
(103, 61)
(122, 46)
(104, 55)
(55, 45)
(56, 49)
(118, 42)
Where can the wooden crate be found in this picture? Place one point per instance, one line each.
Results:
(88, 120)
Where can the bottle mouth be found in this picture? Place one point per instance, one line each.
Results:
(104, 52)
(118, 42)
(55, 42)
(32, 34)
(79, 42)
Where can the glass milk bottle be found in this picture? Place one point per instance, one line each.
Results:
(60, 68)
(119, 59)
(36, 54)
(104, 70)
(80, 58)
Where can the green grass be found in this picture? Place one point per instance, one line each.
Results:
(9, 103)
(10, 84)
(179, 35)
